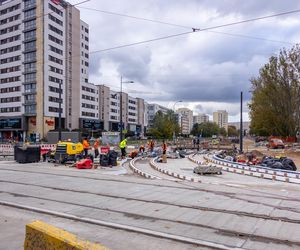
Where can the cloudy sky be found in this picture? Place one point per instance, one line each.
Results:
(207, 69)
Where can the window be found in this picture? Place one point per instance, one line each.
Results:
(56, 40)
(56, 60)
(132, 114)
(55, 90)
(10, 49)
(9, 29)
(29, 35)
(30, 98)
(112, 117)
(30, 88)
(56, 50)
(10, 89)
(56, 20)
(55, 99)
(29, 14)
(10, 59)
(10, 99)
(30, 77)
(10, 19)
(114, 110)
(56, 70)
(54, 9)
(10, 69)
(10, 39)
(53, 109)
(87, 97)
(132, 108)
(10, 109)
(56, 80)
(131, 101)
(89, 106)
(30, 109)
(29, 24)
(56, 30)
(131, 120)
(10, 79)
(29, 45)
(87, 114)
(86, 30)
(30, 67)
(29, 3)
(9, 9)
(28, 57)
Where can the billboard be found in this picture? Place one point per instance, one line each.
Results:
(110, 138)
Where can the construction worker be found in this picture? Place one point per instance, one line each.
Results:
(96, 147)
(151, 145)
(86, 146)
(123, 145)
(164, 150)
(142, 149)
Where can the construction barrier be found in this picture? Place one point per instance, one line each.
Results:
(40, 235)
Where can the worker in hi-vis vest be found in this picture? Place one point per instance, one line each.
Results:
(123, 145)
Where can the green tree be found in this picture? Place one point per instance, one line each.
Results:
(222, 131)
(275, 103)
(164, 125)
(232, 131)
(206, 129)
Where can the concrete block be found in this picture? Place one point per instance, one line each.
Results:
(40, 235)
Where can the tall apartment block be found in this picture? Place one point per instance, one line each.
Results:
(44, 64)
(200, 118)
(189, 113)
(133, 111)
(153, 108)
(220, 117)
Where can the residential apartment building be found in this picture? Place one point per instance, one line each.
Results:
(200, 118)
(44, 68)
(220, 117)
(133, 111)
(189, 114)
(153, 108)
(184, 124)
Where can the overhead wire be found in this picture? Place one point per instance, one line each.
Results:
(195, 30)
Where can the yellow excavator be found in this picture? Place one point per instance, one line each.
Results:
(68, 151)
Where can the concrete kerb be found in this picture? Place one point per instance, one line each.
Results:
(252, 171)
(138, 171)
(173, 174)
(40, 235)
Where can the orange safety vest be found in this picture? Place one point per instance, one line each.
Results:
(96, 144)
(85, 144)
(164, 146)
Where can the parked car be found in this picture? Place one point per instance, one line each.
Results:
(275, 143)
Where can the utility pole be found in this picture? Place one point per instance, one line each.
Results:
(241, 124)
(59, 112)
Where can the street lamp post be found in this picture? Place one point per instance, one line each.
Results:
(174, 136)
(121, 108)
(59, 113)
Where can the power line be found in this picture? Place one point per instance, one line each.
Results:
(193, 28)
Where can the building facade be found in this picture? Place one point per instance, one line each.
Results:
(152, 109)
(184, 124)
(44, 64)
(189, 114)
(220, 117)
(133, 111)
(200, 118)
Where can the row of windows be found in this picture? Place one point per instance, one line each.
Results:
(132, 108)
(30, 35)
(57, 11)
(10, 49)
(30, 24)
(10, 19)
(10, 9)
(9, 29)
(28, 3)
(56, 70)
(88, 106)
(56, 30)
(89, 114)
(10, 69)
(56, 40)
(84, 63)
(30, 46)
(114, 103)
(30, 88)
(131, 120)
(10, 89)
(30, 67)
(56, 80)
(10, 99)
(132, 114)
(55, 99)
(88, 89)
(30, 109)
(10, 79)
(53, 109)
(112, 117)
(10, 109)
(29, 14)
(30, 98)
(10, 39)
(55, 90)
(85, 29)
(30, 77)
(10, 59)
(85, 46)
(87, 97)
(56, 50)
(56, 20)
(114, 110)
(56, 60)
(29, 57)
(131, 101)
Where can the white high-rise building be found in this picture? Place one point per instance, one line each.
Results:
(189, 115)
(44, 68)
(220, 117)
(200, 118)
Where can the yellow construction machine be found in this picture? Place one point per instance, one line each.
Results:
(68, 151)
